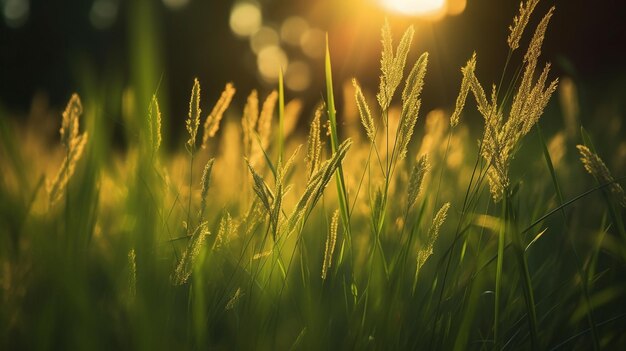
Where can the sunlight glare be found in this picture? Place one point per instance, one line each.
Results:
(414, 7)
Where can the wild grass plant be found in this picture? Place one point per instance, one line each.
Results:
(405, 235)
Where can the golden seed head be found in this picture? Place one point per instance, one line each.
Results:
(193, 119)
(69, 123)
(331, 240)
(392, 65)
(364, 111)
(154, 119)
(314, 142)
(249, 121)
(188, 259)
(433, 233)
(266, 117)
(212, 122)
(468, 74)
(416, 179)
(292, 115)
(519, 23)
(595, 166)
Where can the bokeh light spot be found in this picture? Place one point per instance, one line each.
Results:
(313, 42)
(175, 4)
(245, 18)
(103, 13)
(16, 12)
(292, 30)
(298, 76)
(269, 62)
(264, 37)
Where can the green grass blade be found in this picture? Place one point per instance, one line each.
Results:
(332, 116)
(581, 272)
(499, 264)
(281, 115)
(529, 297)
(546, 155)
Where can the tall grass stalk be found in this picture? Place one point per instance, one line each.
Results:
(498, 287)
(281, 115)
(342, 192)
(522, 261)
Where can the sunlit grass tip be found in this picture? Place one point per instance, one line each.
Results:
(416, 179)
(70, 123)
(154, 120)
(193, 120)
(411, 103)
(266, 117)
(597, 168)
(364, 111)
(433, 233)
(186, 263)
(205, 181)
(74, 146)
(392, 64)
(226, 230)
(519, 23)
(314, 142)
(468, 75)
(212, 122)
(249, 121)
(331, 240)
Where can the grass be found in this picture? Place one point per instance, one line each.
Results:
(426, 240)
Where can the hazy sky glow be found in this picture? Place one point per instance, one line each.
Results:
(414, 7)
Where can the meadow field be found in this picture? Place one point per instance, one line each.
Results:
(366, 222)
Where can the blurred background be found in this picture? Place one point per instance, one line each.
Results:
(49, 49)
